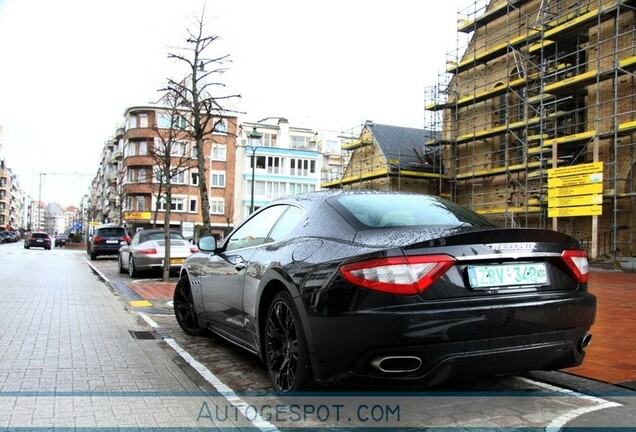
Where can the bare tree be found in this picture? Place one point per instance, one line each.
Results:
(170, 161)
(198, 96)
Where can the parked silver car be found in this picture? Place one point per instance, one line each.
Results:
(146, 251)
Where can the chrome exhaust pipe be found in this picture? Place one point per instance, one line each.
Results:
(397, 364)
(585, 340)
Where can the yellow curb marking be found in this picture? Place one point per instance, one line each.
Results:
(140, 303)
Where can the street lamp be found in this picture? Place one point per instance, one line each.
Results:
(254, 139)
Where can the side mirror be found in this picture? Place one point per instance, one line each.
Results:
(207, 243)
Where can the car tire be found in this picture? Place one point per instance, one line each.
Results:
(120, 264)
(286, 351)
(132, 270)
(184, 309)
(93, 256)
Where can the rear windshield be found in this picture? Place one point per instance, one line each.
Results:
(386, 210)
(115, 232)
(39, 235)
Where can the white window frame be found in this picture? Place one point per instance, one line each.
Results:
(218, 175)
(218, 152)
(196, 205)
(217, 206)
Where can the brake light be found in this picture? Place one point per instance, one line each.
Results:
(152, 251)
(194, 249)
(126, 239)
(576, 261)
(400, 275)
(97, 239)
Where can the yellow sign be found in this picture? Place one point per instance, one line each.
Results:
(580, 200)
(138, 215)
(575, 180)
(593, 210)
(587, 189)
(596, 167)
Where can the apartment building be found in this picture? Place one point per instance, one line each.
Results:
(127, 186)
(275, 160)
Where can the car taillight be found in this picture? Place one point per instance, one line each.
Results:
(152, 251)
(125, 239)
(400, 275)
(576, 261)
(97, 239)
(194, 249)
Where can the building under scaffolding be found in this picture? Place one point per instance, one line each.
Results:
(541, 84)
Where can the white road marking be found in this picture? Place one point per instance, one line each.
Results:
(222, 388)
(558, 423)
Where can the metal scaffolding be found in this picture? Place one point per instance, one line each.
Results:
(535, 85)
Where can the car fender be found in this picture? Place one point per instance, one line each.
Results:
(274, 280)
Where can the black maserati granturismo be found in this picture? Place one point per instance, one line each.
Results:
(388, 289)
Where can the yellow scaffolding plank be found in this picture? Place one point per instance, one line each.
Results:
(581, 79)
(628, 63)
(383, 172)
(353, 144)
(487, 133)
(627, 127)
(498, 170)
(567, 139)
(468, 26)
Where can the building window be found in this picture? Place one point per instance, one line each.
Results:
(178, 178)
(194, 178)
(219, 152)
(132, 122)
(193, 205)
(217, 179)
(274, 164)
(140, 203)
(260, 162)
(143, 120)
(131, 175)
(3, 182)
(178, 149)
(217, 206)
(220, 126)
(176, 204)
(299, 142)
(141, 175)
(302, 167)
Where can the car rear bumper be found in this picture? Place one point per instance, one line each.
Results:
(403, 346)
(105, 249)
(149, 263)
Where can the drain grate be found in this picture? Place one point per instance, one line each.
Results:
(143, 334)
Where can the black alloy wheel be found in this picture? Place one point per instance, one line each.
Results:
(285, 346)
(184, 309)
(132, 270)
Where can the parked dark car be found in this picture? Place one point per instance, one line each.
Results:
(5, 237)
(106, 240)
(61, 240)
(388, 289)
(37, 239)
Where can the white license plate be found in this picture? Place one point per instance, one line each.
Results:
(507, 275)
(112, 241)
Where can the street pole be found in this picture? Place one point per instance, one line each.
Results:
(253, 168)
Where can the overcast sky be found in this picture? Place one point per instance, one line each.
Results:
(69, 68)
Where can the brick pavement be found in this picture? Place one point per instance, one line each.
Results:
(67, 356)
(608, 357)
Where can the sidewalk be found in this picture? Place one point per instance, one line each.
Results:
(608, 357)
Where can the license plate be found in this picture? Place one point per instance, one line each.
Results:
(40, 241)
(177, 260)
(112, 241)
(507, 275)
